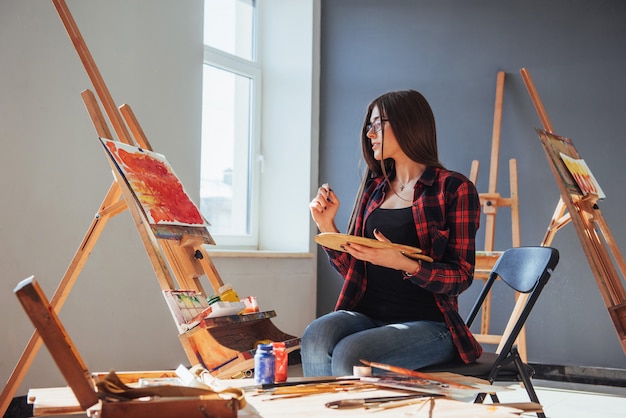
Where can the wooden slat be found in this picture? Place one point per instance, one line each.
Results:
(53, 401)
(495, 137)
(138, 134)
(473, 176)
(209, 268)
(98, 120)
(58, 342)
(172, 407)
(534, 96)
(181, 260)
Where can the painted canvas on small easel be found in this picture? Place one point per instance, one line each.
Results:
(160, 193)
(583, 176)
(555, 146)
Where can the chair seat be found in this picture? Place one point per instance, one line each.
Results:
(481, 368)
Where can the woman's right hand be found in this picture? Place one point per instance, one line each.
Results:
(324, 208)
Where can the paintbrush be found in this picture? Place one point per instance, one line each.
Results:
(305, 390)
(413, 373)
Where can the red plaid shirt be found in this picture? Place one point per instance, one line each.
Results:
(446, 210)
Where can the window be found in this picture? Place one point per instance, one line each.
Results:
(230, 157)
(254, 201)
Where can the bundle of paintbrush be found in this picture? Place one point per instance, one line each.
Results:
(305, 389)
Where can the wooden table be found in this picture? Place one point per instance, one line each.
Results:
(313, 406)
(58, 401)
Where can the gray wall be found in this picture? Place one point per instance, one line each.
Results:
(451, 51)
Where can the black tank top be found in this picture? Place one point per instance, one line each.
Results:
(389, 297)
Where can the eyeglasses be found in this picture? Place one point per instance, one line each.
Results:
(377, 126)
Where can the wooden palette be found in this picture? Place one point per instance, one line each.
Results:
(337, 241)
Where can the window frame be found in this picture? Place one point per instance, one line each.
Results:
(287, 161)
(252, 70)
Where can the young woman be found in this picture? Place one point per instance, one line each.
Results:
(393, 309)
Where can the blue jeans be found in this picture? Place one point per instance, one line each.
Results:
(334, 343)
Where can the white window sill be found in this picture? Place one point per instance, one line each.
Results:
(237, 253)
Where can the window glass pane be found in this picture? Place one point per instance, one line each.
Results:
(225, 160)
(228, 26)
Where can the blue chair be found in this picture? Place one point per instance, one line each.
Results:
(526, 270)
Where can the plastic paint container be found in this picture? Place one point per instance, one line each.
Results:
(281, 362)
(228, 294)
(213, 299)
(361, 371)
(264, 365)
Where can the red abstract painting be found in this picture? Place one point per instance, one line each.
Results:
(156, 186)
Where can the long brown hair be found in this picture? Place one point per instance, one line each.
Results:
(413, 123)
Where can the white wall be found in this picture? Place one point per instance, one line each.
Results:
(290, 87)
(54, 176)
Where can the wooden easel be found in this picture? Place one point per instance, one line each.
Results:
(193, 403)
(593, 232)
(178, 255)
(490, 202)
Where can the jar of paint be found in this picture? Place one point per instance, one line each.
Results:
(264, 364)
(281, 362)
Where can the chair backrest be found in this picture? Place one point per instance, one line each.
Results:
(523, 268)
(526, 270)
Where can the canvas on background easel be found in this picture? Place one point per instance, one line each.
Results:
(583, 211)
(177, 251)
(490, 202)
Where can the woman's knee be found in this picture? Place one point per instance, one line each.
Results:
(318, 336)
(348, 353)
(316, 330)
(336, 325)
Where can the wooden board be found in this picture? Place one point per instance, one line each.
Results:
(58, 342)
(171, 407)
(337, 241)
(61, 401)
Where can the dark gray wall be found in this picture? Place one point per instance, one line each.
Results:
(451, 51)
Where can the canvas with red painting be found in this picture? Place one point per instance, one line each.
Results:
(160, 193)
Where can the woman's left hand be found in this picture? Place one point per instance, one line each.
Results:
(384, 257)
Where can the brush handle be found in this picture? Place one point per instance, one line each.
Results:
(413, 373)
